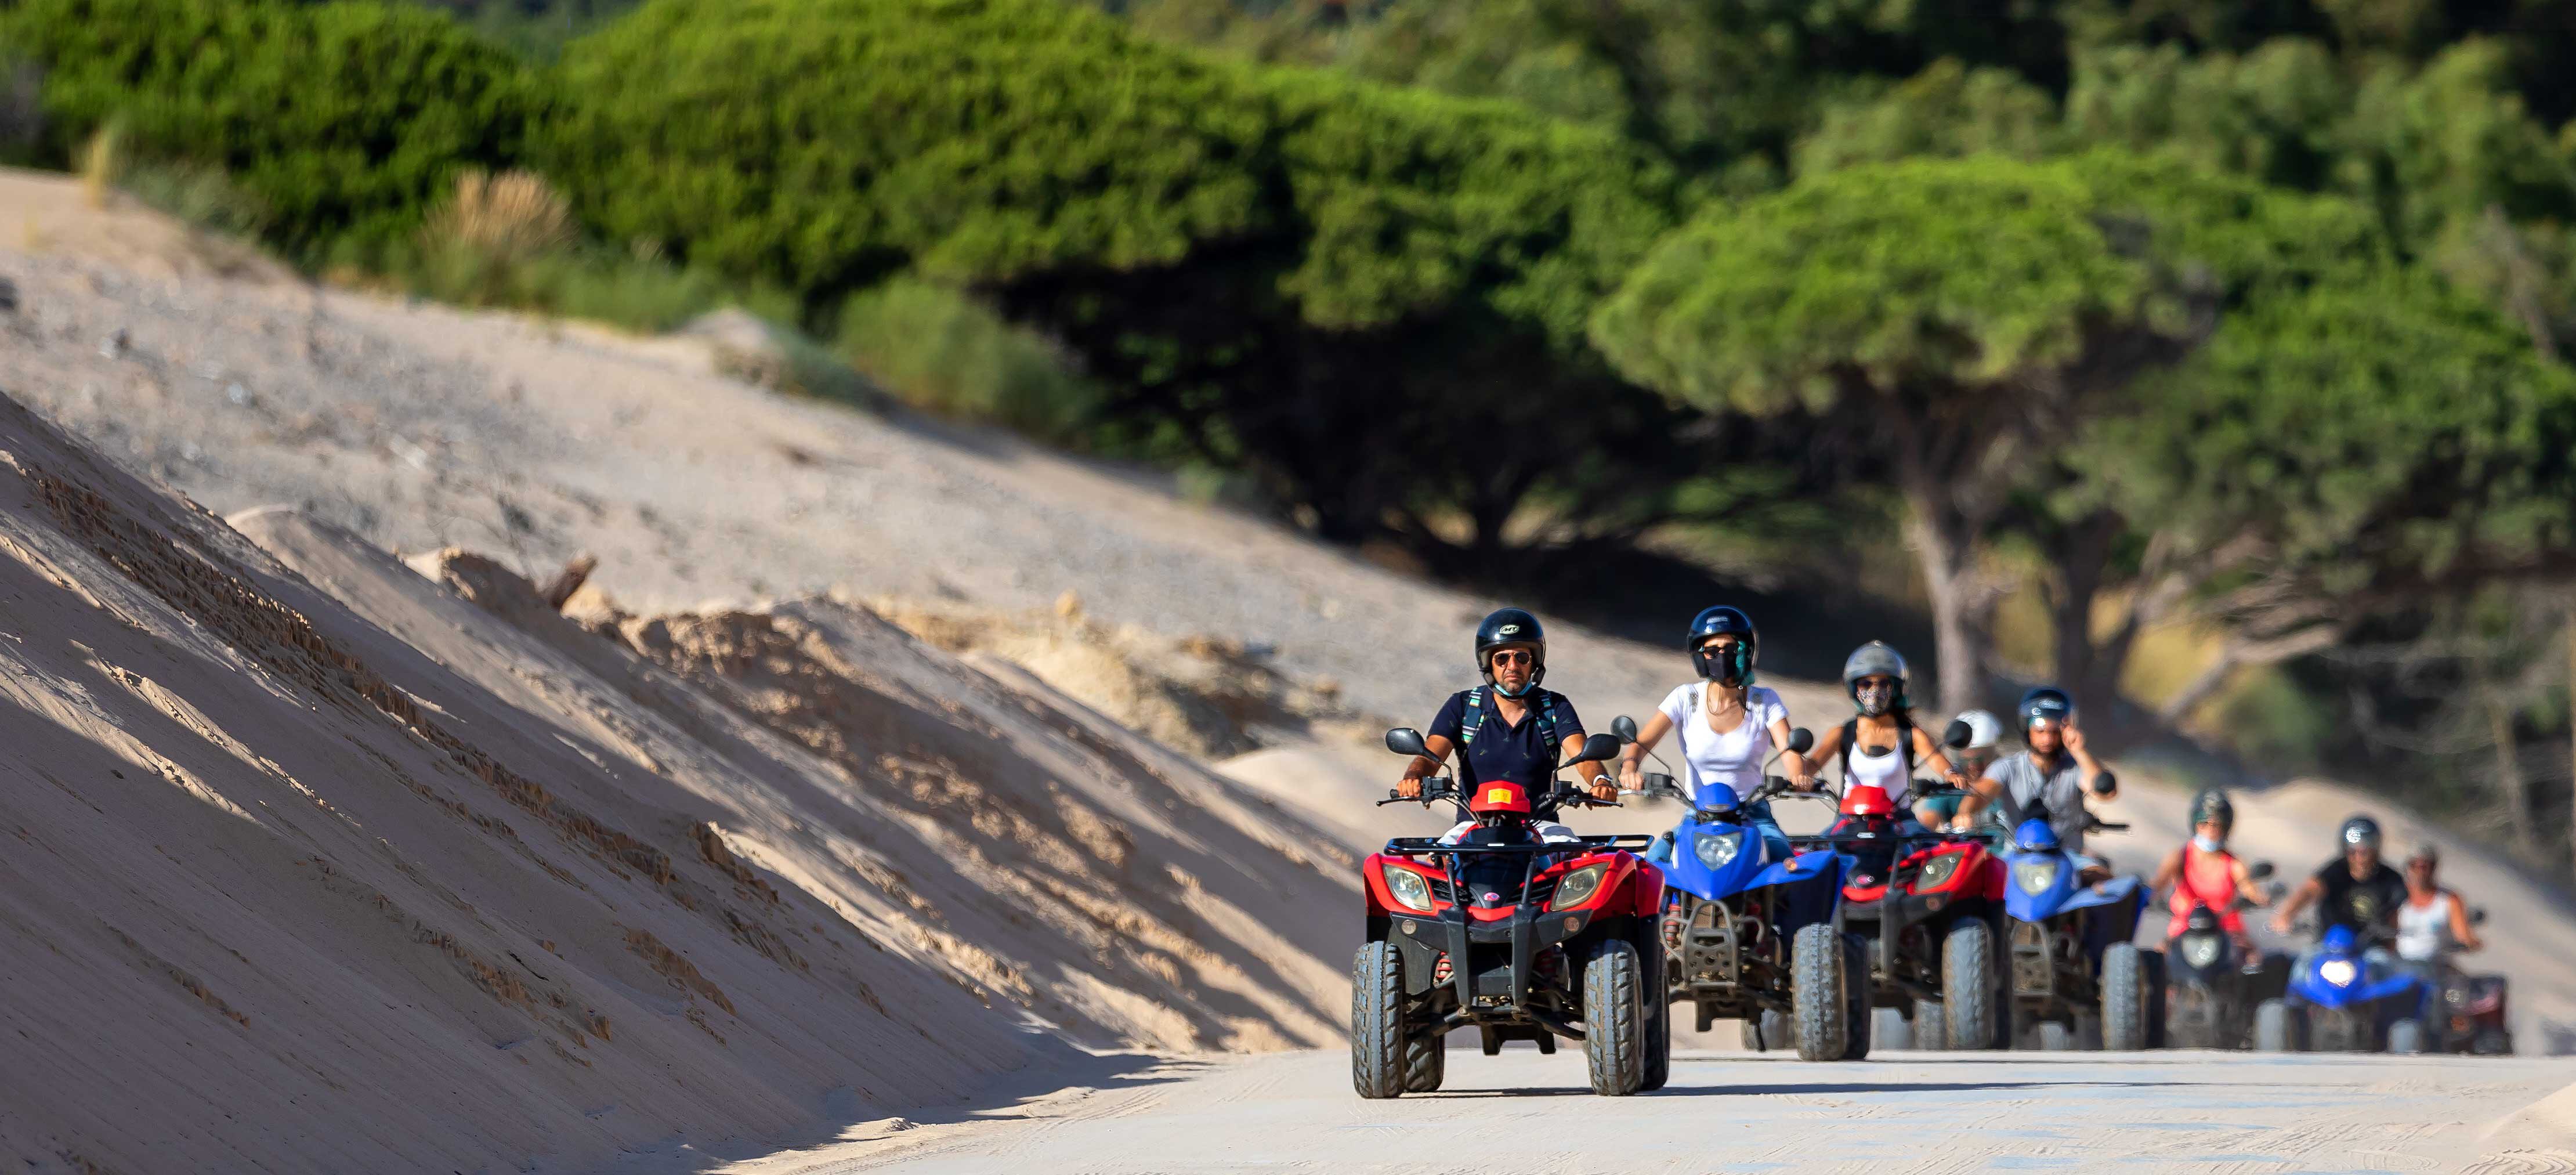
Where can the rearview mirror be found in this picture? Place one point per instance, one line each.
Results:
(2104, 783)
(1625, 727)
(1958, 736)
(1405, 740)
(2259, 870)
(2478, 917)
(1800, 740)
(1598, 748)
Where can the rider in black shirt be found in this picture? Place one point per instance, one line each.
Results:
(1510, 734)
(2366, 904)
(2357, 890)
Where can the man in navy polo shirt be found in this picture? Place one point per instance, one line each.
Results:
(1508, 729)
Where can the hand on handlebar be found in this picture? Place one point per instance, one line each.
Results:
(1601, 795)
(1409, 788)
(1631, 777)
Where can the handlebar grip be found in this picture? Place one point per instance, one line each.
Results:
(1434, 787)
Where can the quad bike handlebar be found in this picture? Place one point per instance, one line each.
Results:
(1567, 793)
(1774, 786)
(1446, 788)
(1438, 787)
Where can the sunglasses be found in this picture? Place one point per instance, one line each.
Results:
(1515, 657)
(1876, 684)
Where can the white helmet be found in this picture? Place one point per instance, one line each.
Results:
(1984, 729)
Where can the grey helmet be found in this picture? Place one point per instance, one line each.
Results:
(1875, 659)
(2212, 806)
(2359, 831)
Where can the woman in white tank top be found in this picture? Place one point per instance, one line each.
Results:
(2433, 921)
(1881, 744)
(1728, 727)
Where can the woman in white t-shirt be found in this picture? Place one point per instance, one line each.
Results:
(1729, 728)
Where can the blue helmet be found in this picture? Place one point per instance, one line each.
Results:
(1724, 620)
(2046, 703)
(2036, 836)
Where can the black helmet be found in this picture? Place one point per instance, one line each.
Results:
(1724, 620)
(2045, 703)
(2212, 806)
(2358, 831)
(1875, 659)
(1511, 626)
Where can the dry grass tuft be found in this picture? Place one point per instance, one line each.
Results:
(513, 215)
(102, 163)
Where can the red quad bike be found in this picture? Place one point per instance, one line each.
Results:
(1518, 937)
(2463, 1013)
(1931, 906)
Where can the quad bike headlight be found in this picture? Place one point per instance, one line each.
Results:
(1715, 849)
(1578, 887)
(2339, 972)
(2200, 950)
(2034, 877)
(1936, 872)
(1407, 887)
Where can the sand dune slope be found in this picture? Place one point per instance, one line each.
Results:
(399, 884)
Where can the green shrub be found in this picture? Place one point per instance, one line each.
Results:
(581, 281)
(827, 144)
(939, 350)
(200, 194)
(341, 118)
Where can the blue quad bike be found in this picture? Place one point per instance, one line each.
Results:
(2341, 1001)
(2077, 979)
(1759, 940)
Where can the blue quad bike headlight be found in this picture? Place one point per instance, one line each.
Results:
(2034, 877)
(1717, 849)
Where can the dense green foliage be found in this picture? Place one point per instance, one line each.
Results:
(1962, 274)
(2374, 435)
(1261, 263)
(341, 118)
(830, 143)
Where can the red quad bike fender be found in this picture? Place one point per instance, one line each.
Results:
(1645, 888)
(1373, 885)
(1980, 875)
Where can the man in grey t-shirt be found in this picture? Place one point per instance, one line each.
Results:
(2051, 772)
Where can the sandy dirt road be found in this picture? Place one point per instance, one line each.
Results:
(1522, 1112)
